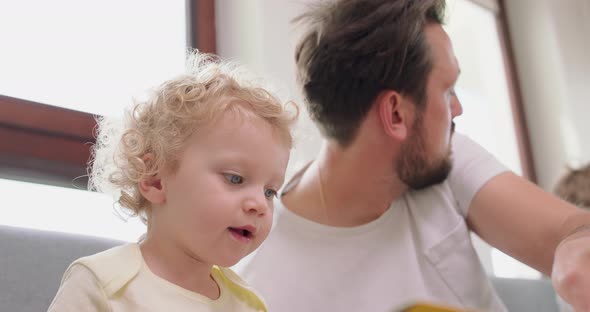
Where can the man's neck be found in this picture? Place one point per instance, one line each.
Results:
(345, 187)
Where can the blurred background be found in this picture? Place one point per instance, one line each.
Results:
(525, 73)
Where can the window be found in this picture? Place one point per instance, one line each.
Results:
(484, 89)
(89, 56)
(52, 208)
(80, 59)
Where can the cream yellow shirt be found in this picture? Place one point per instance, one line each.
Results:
(119, 280)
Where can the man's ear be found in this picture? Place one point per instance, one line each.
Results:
(394, 114)
(151, 187)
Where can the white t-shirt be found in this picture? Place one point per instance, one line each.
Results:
(419, 249)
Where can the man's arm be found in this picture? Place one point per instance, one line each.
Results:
(529, 224)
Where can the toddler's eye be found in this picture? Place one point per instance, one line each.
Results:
(234, 178)
(270, 193)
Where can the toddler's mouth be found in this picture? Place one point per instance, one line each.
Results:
(243, 233)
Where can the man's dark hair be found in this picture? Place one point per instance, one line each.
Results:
(353, 49)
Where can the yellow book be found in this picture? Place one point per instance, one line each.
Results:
(428, 307)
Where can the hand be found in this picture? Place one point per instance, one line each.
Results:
(571, 270)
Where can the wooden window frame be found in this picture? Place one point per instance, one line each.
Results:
(497, 7)
(518, 113)
(492, 5)
(47, 144)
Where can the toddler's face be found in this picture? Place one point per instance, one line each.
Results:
(219, 201)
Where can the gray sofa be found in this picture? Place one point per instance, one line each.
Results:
(32, 263)
(526, 294)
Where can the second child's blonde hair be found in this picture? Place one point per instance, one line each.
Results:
(155, 130)
(574, 187)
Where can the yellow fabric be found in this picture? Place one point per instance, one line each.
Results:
(119, 280)
(429, 307)
(239, 288)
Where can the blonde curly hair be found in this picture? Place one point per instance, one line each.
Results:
(160, 125)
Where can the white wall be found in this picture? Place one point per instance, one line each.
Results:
(572, 22)
(551, 42)
(260, 34)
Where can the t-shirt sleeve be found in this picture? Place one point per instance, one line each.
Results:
(473, 167)
(79, 291)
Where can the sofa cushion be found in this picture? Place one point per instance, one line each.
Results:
(32, 263)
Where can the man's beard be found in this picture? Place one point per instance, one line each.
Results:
(413, 166)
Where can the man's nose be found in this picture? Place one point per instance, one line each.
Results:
(456, 107)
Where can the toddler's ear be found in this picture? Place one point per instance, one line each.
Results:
(151, 188)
